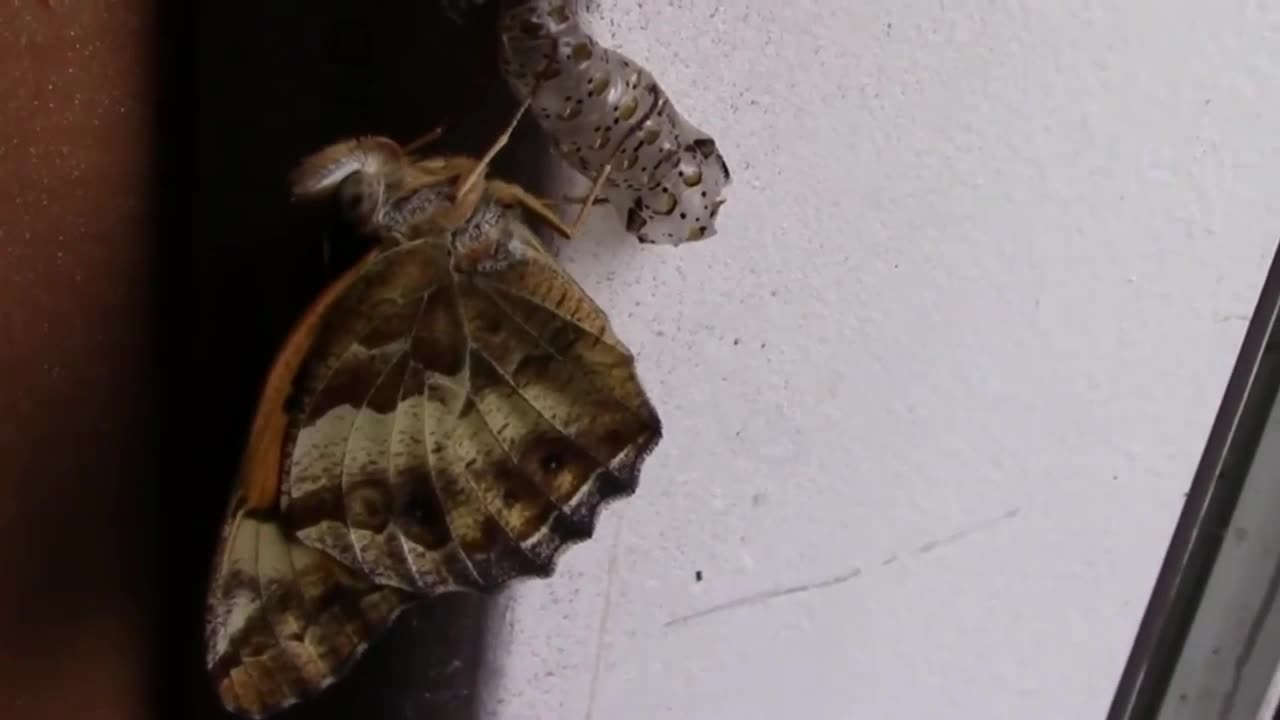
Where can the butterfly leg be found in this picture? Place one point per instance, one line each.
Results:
(509, 194)
(570, 200)
(590, 199)
(437, 170)
(470, 180)
(456, 213)
(541, 207)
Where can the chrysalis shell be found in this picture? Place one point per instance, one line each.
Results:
(601, 108)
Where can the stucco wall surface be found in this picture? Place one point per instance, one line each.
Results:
(934, 393)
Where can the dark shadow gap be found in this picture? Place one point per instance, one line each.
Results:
(276, 81)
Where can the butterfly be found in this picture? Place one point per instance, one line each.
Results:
(449, 415)
(610, 119)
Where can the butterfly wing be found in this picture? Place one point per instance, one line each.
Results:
(286, 620)
(450, 430)
(470, 428)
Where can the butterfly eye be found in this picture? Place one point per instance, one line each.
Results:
(359, 195)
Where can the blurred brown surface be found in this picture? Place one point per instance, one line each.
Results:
(74, 271)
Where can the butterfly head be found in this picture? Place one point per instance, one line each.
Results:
(358, 172)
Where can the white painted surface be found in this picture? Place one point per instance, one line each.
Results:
(977, 291)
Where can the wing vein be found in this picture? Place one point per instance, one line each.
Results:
(428, 376)
(346, 450)
(467, 368)
(507, 290)
(511, 381)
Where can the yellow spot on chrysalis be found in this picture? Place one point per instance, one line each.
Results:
(627, 108)
(571, 111)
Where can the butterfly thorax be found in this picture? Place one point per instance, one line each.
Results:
(402, 218)
(478, 241)
(485, 242)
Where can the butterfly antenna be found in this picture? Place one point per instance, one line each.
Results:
(483, 165)
(591, 198)
(424, 140)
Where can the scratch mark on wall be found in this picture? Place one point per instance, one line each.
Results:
(601, 630)
(769, 595)
(965, 533)
(765, 596)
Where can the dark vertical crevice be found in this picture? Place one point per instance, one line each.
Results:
(173, 501)
(276, 81)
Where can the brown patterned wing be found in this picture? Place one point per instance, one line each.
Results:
(462, 427)
(284, 620)
(448, 430)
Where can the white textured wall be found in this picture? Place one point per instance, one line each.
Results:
(945, 372)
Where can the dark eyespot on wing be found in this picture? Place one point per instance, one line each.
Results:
(341, 437)
(569, 408)
(471, 473)
(541, 472)
(364, 435)
(422, 517)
